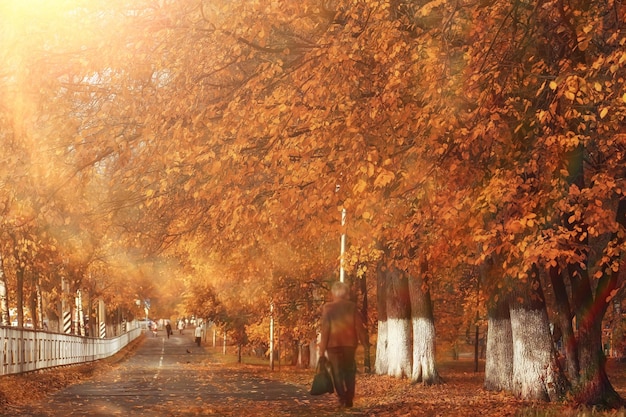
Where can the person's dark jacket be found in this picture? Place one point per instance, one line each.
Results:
(341, 325)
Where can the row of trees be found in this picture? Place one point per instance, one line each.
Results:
(219, 141)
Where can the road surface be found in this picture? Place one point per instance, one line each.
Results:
(174, 377)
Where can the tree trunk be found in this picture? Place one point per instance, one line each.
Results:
(594, 387)
(565, 323)
(367, 363)
(32, 300)
(424, 366)
(381, 364)
(91, 317)
(536, 371)
(39, 295)
(499, 360)
(313, 353)
(399, 340)
(19, 281)
(5, 319)
(19, 294)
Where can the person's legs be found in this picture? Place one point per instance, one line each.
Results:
(344, 373)
(349, 374)
(335, 357)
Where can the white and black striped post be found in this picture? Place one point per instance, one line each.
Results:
(67, 322)
(66, 308)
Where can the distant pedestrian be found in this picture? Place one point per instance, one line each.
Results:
(181, 326)
(198, 335)
(168, 329)
(342, 328)
(154, 328)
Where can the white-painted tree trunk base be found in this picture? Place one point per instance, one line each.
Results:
(499, 360)
(399, 345)
(381, 365)
(424, 368)
(534, 373)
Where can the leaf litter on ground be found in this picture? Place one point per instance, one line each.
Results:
(462, 393)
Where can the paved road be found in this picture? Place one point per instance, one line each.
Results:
(173, 377)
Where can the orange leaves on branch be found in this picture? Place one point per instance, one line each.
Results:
(360, 186)
(384, 178)
(528, 220)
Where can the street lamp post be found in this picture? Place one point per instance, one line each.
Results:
(271, 336)
(343, 244)
(343, 238)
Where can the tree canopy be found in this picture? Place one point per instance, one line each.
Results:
(210, 146)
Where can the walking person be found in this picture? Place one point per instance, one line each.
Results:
(168, 329)
(181, 326)
(342, 328)
(198, 334)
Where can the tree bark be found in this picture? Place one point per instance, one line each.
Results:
(594, 387)
(381, 364)
(5, 319)
(536, 371)
(424, 365)
(32, 300)
(367, 363)
(19, 281)
(399, 340)
(565, 323)
(499, 360)
(19, 294)
(39, 297)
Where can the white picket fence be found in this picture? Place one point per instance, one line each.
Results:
(25, 350)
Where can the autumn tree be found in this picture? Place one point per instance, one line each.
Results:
(55, 129)
(228, 137)
(552, 103)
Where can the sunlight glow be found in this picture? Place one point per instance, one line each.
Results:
(29, 29)
(21, 19)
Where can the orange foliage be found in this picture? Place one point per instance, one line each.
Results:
(229, 136)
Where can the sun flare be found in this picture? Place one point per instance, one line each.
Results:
(20, 20)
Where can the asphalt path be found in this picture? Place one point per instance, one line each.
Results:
(174, 377)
